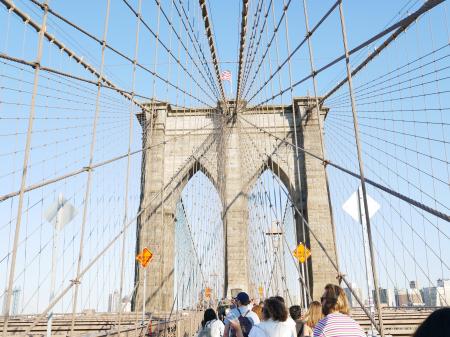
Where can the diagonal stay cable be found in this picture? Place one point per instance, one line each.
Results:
(124, 93)
(255, 49)
(99, 164)
(405, 198)
(319, 242)
(197, 257)
(203, 148)
(168, 50)
(399, 28)
(211, 84)
(296, 49)
(266, 166)
(196, 45)
(275, 30)
(426, 7)
(257, 17)
(11, 7)
(121, 54)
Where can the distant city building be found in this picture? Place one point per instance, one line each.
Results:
(14, 302)
(351, 299)
(431, 297)
(415, 297)
(401, 297)
(413, 285)
(114, 302)
(387, 297)
(348, 293)
(126, 304)
(444, 291)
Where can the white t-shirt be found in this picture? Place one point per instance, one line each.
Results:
(243, 310)
(291, 323)
(272, 328)
(217, 328)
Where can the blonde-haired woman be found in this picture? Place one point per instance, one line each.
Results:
(337, 321)
(312, 317)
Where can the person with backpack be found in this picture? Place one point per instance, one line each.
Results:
(274, 323)
(242, 314)
(211, 325)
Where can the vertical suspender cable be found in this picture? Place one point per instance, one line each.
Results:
(26, 157)
(127, 177)
(76, 281)
(320, 124)
(304, 266)
(361, 170)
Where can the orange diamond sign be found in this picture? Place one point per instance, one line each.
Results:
(144, 257)
(302, 253)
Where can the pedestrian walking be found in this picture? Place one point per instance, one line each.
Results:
(243, 314)
(337, 321)
(211, 325)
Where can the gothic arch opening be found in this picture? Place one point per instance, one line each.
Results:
(199, 243)
(272, 237)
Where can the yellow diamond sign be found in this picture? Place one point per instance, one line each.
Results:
(302, 253)
(144, 257)
(260, 291)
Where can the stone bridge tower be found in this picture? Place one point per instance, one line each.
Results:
(232, 152)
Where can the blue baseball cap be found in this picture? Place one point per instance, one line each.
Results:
(242, 297)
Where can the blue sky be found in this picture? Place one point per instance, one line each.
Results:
(404, 90)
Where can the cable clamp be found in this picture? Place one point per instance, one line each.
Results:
(88, 168)
(339, 277)
(325, 162)
(12, 7)
(76, 281)
(36, 65)
(26, 19)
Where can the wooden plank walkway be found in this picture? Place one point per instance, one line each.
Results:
(397, 322)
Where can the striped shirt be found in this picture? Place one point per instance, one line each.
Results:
(338, 325)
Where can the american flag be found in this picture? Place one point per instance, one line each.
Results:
(226, 75)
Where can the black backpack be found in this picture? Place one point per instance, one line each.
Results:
(245, 323)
